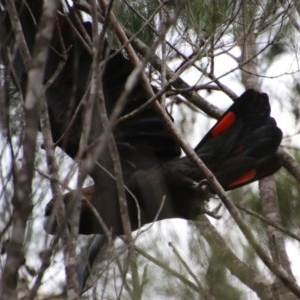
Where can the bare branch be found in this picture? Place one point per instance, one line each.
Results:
(290, 164)
(23, 180)
(291, 12)
(244, 272)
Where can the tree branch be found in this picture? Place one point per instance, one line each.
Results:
(244, 272)
(24, 176)
(290, 164)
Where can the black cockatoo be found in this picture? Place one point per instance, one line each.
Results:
(239, 149)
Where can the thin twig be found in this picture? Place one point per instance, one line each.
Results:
(186, 266)
(268, 221)
(167, 269)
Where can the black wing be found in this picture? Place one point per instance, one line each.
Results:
(142, 140)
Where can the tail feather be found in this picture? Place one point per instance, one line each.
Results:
(236, 169)
(260, 142)
(241, 147)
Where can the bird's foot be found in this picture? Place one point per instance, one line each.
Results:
(205, 208)
(203, 184)
(215, 213)
(203, 187)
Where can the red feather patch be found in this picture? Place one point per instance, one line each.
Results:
(248, 176)
(224, 123)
